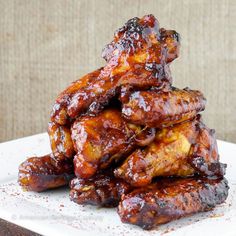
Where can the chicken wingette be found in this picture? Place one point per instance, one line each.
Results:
(171, 199)
(163, 108)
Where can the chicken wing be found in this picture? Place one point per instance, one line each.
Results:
(103, 189)
(169, 200)
(138, 56)
(102, 139)
(167, 155)
(42, 173)
(174, 152)
(163, 108)
(60, 139)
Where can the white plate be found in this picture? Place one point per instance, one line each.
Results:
(52, 213)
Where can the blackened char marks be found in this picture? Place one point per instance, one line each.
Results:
(171, 199)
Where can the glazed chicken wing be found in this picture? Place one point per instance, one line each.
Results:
(42, 173)
(176, 151)
(138, 56)
(102, 139)
(103, 189)
(163, 108)
(169, 200)
(167, 155)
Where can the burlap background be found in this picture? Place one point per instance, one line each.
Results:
(44, 45)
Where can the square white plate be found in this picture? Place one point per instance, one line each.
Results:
(52, 213)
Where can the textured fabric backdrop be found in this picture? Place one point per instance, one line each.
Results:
(44, 45)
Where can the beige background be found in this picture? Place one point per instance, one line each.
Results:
(44, 45)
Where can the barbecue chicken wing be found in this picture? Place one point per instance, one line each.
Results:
(103, 189)
(167, 155)
(169, 200)
(138, 56)
(42, 173)
(102, 139)
(163, 108)
(60, 139)
(180, 150)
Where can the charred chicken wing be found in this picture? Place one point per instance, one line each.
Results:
(163, 108)
(138, 56)
(42, 173)
(171, 199)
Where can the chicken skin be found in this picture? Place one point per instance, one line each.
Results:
(103, 189)
(171, 199)
(163, 108)
(61, 142)
(103, 139)
(41, 173)
(180, 150)
(139, 56)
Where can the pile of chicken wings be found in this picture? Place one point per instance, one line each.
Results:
(123, 136)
